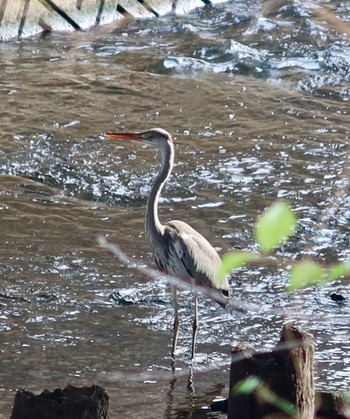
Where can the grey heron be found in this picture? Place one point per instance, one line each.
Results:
(178, 248)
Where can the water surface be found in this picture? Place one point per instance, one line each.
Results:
(257, 102)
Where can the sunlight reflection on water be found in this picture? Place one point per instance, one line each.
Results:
(259, 110)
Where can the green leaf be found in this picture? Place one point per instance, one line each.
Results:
(305, 273)
(232, 261)
(247, 385)
(347, 398)
(253, 384)
(280, 403)
(274, 226)
(338, 270)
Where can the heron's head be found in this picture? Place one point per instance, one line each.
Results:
(156, 137)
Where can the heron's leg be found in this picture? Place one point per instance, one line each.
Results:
(176, 321)
(194, 326)
(190, 381)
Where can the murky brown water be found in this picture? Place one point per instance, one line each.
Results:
(251, 124)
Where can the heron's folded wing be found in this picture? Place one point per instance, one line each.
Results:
(197, 257)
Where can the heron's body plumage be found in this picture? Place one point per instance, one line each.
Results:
(188, 255)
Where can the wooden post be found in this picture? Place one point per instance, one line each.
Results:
(69, 403)
(285, 376)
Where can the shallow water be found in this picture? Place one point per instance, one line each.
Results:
(258, 106)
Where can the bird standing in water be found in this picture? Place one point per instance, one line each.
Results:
(178, 249)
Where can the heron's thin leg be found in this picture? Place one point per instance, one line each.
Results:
(176, 321)
(194, 326)
(190, 381)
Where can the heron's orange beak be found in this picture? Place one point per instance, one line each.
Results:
(123, 136)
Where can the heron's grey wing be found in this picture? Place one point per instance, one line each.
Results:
(196, 257)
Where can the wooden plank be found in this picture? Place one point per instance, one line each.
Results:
(19, 18)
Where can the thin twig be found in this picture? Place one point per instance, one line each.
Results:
(235, 304)
(172, 280)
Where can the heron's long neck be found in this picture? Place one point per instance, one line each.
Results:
(154, 228)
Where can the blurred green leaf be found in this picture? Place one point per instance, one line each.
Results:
(305, 273)
(347, 397)
(270, 397)
(248, 385)
(338, 270)
(274, 226)
(253, 384)
(232, 261)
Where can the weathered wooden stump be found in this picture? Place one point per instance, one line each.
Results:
(286, 374)
(69, 403)
(330, 405)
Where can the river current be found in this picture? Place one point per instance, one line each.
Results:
(256, 96)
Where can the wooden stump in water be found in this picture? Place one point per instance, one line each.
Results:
(69, 403)
(284, 379)
(330, 405)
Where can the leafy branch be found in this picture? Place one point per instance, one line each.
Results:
(275, 225)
